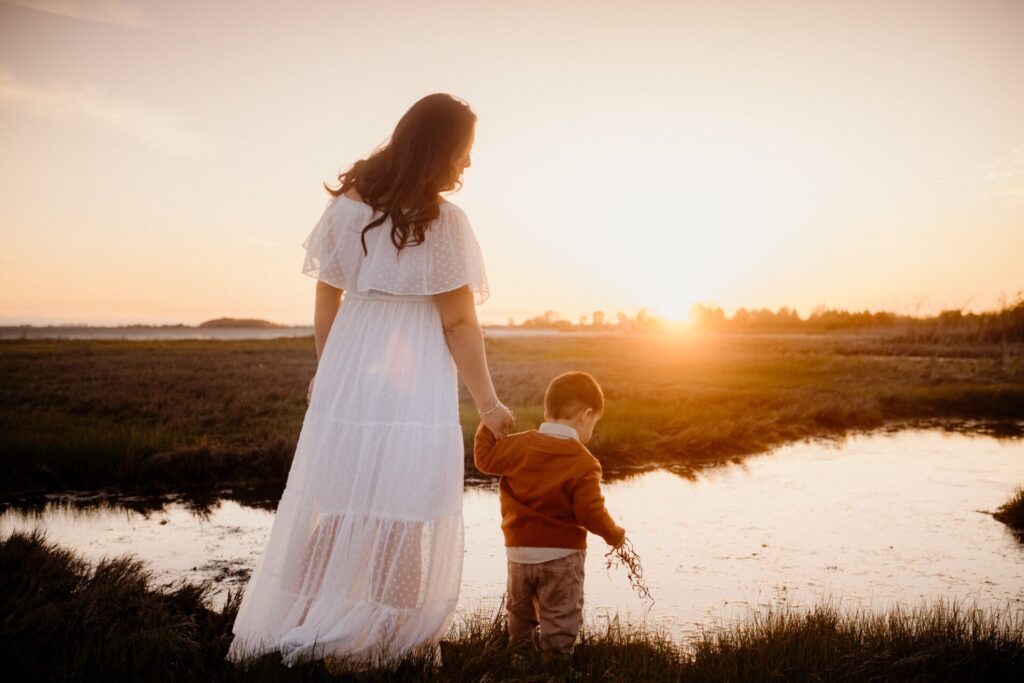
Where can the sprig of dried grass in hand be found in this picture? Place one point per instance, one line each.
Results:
(628, 558)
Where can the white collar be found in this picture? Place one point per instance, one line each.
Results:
(559, 430)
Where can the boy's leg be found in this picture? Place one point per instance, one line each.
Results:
(560, 595)
(521, 603)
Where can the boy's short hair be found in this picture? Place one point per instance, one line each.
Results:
(571, 392)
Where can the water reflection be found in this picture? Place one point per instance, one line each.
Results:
(873, 521)
(201, 502)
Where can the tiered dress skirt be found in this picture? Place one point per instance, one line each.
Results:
(364, 558)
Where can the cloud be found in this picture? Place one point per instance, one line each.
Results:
(1010, 167)
(88, 104)
(98, 11)
(1004, 178)
(1000, 178)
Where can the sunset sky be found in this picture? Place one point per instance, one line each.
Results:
(163, 161)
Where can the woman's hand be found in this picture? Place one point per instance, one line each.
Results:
(309, 392)
(499, 420)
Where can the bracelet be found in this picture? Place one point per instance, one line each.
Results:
(490, 410)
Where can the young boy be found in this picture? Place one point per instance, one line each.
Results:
(550, 495)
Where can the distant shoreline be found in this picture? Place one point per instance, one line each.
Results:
(1003, 327)
(195, 332)
(151, 332)
(180, 331)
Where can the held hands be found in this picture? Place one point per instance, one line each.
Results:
(498, 419)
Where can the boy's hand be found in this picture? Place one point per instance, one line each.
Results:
(622, 540)
(499, 421)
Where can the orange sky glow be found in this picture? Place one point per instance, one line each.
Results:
(162, 162)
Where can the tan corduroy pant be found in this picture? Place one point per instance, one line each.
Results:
(546, 597)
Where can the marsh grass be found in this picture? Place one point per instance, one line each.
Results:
(197, 413)
(941, 640)
(1011, 513)
(64, 619)
(67, 619)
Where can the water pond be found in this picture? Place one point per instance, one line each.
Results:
(874, 521)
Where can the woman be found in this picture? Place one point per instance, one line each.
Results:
(364, 560)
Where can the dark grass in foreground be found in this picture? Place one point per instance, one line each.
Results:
(64, 619)
(190, 413)
(1011, 513)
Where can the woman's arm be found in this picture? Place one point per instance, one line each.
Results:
(466, 344)
(328, 301)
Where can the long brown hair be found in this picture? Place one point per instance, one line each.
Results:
(404, 178)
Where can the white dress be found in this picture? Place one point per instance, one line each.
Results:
(365, 554)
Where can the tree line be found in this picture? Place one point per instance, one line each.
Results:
(1005, 324)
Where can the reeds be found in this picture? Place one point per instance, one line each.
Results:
(65, 619)
(1011, 513)
(935, 641)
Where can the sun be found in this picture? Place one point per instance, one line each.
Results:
(670, 306)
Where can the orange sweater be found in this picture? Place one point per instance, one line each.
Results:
(550, 489)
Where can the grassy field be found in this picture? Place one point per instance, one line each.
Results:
(181, 414)
(69, 620)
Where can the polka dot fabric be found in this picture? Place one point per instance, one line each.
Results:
(364, 559)
(448, 258)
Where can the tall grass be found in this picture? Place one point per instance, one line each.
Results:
(64, 619)
(1011, 513)
(190, 413)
